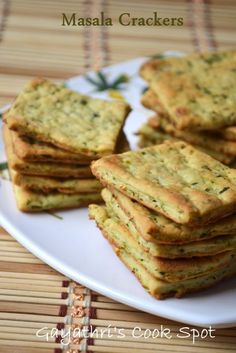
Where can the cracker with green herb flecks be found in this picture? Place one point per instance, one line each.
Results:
(30, 201)
(156, 228)
(49, 185)
(30, 150)
(151, 101)
(171, 270)
(42, 169)
(174, 179)
(150, 135)
(198, 91)
(214, 140)
(138, 263)
(74, 122)
(150, 243)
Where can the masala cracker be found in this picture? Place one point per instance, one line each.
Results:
(57, 115)
(162, 289)
(30, 150)
(42, 169)
(214, 140)
(49, 185)
(157, 247)
(157, 287)
(151, 101)
(152, 133)
(198, 91)
(30, 201)
(171, 270)
(174, 179)
(156, 228)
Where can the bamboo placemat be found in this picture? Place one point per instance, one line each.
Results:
(35, 297)
(33, 43)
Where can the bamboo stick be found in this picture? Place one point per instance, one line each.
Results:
(12, 324)
(9, 349)
(31, 317)
(34, 308)
(31, 276)
(21, 260)
(27, 268)
(24, 299)
(29, 293)
(29, 281)
(35, 288)
(17, 343)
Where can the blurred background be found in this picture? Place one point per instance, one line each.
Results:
(33, 42)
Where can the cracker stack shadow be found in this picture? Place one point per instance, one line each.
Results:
(51, 135)
(170, 216)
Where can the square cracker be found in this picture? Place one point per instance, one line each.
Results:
(153, 133)
(159, 288)
(42, 169)
(156, 228)
(198, 91)
(170, 270)
(67, 119)
(30, 201)
(221, 141)
(49, 185)
(30, 150)
(176, 249)
(173, 179)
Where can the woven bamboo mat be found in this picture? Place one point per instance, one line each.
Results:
(32, 43)
(34, 297)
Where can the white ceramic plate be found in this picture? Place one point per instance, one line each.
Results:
(75, 247)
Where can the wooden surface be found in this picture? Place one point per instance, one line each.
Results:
(33, 43)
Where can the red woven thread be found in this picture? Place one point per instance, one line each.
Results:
(57, 350)
(64, 295)
(65, 283)
(60, 325)
(63, 310)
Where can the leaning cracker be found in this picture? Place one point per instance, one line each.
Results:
(194, 89)
(42, 169)
(30, 150)
(74, 122)
(174, 179)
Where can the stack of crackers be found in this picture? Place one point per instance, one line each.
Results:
(194, 100)
(169, 214)
(51, 135)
